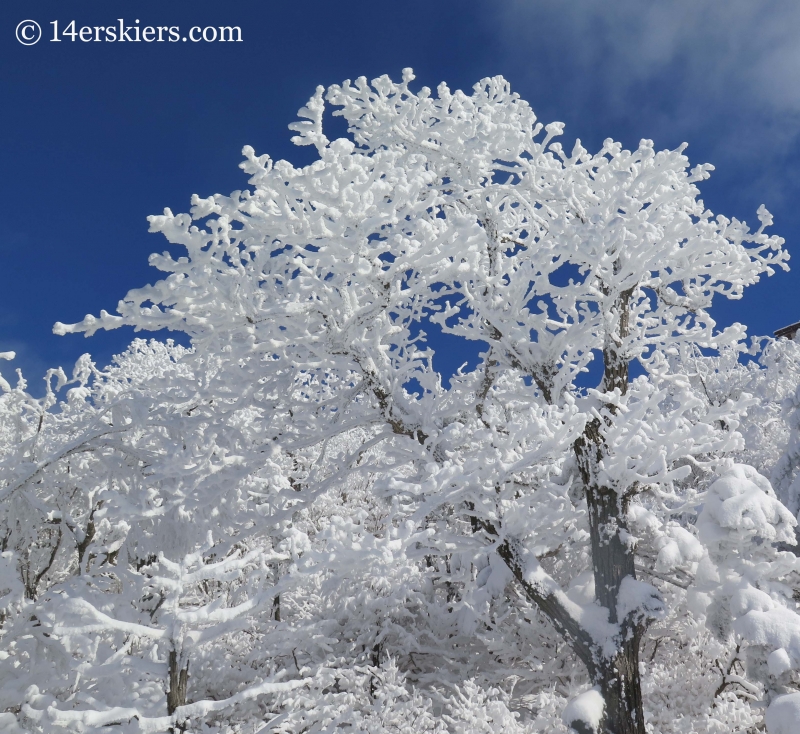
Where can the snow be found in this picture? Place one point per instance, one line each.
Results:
(779, 662)
(677, 547)
(275, 515)
(771, 625)
(587, 708)
(8, 724)
(639, 600)
(740, 584)
(743, 501)
(783, 714)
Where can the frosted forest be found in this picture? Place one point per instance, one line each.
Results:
(298, 525)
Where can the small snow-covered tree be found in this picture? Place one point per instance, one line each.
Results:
(522, 498)
(164, 551)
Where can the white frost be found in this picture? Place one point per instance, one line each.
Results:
(278, 501)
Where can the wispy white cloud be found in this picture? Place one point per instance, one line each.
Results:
(728, 69)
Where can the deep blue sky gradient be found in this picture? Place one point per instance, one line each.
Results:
(96, 136)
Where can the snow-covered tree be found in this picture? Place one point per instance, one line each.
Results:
(139, 534)
(387, 531)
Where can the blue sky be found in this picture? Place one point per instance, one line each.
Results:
(96, 136)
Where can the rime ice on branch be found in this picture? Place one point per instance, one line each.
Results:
(516, 491)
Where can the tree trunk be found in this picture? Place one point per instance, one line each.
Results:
(617, 677)
(612, 557)
(615, 672)
(178, 681)
(612, 560)
(621, 690)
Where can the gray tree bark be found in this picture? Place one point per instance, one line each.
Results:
(178, 682)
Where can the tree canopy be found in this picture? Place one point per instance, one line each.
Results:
(298, 524)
